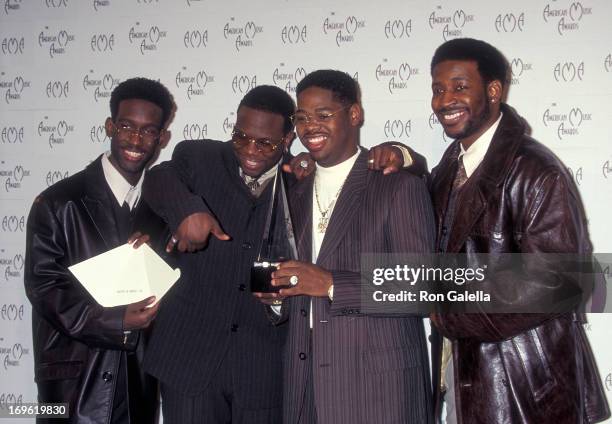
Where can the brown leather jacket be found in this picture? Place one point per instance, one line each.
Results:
(518, 368)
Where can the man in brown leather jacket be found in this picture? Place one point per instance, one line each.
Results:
(497, 190)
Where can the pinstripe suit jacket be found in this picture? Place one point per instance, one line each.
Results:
(366, 369)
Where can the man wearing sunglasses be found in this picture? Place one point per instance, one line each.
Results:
(87, 355)
(214, 349)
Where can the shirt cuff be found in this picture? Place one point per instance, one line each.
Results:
(406, 154)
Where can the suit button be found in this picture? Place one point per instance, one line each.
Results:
(107, 376)
(246, 245)
(350, 311)
(302, 356)
(343, 311)
(234, 327)
(303, 312)
(242, 287)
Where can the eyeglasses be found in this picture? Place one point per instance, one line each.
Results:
(303, 118)
(146, 134)
(263, 145)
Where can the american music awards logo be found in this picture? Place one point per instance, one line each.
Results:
(608, 63)
(101, 86)
(242, 34)
(434, 123)
(195, 131)
(13, 265)
(287, 79)
(396, 129)
(13, 45)
(242, 84)
(56, 132)
(398, 28)
(193, 82)
(294, 34)
(102, 43)
(13, 223)
(56, 3)
(396, 76)
(53, 177)
(12, 135)
(565, 123)
(8, 399)
(228, 123)
(13, 176)
(568, 71)
(510, 22)
(343, 29)
(566, 19)
(57, 89)
(576, 174)
(146, 38)
(11, 6)
(606, 169)
(98, 4)
(12, 355)
(518, 68)
(451, 24)
(97, 134)
(13, 87)
(195, 38)
(56, 43)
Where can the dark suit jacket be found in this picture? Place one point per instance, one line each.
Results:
(366, 369)
(210, 316)
(77, 342)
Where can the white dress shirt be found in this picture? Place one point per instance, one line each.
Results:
(122, 190)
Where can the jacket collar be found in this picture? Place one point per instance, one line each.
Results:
(491, 173)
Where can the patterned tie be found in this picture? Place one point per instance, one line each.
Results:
(461, 176)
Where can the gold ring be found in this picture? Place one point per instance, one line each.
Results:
(277, 302)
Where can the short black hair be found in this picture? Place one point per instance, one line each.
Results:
(142, 89)
(344, 87)
(492, 64)
(272, 99)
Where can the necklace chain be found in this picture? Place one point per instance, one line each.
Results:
(324, 219)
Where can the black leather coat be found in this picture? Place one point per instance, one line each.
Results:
(78, 343)
(518, 368)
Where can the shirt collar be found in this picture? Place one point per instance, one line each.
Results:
(476, 152)
(122, 190)
(270, 173)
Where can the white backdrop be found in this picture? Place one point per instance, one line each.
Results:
(60, 59)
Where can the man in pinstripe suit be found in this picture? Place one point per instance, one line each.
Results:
(342, 365)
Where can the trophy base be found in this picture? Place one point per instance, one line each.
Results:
(261, 277)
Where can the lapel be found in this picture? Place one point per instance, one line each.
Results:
(301, 215)
(97, 203)
(482, 184)
(346, 207)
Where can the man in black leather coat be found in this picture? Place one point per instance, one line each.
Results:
(87, 355)
(498, 191)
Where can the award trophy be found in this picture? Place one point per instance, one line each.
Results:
(277, 243)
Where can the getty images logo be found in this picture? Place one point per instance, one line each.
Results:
(510, 22)
(451, 24)
(287, 79)
(567, 19)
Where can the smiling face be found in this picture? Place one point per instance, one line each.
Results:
(263, 126)
(136, 137)
(331, 130)
(463, 103)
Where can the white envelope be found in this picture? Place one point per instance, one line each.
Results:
(125, 275)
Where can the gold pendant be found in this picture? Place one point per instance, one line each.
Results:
(323, 224)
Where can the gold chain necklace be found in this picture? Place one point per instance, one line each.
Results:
(324, 219)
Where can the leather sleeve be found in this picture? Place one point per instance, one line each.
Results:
(169, 187)
(548, 220)
(54, 293)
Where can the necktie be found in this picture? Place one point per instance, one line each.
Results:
(461, 176)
